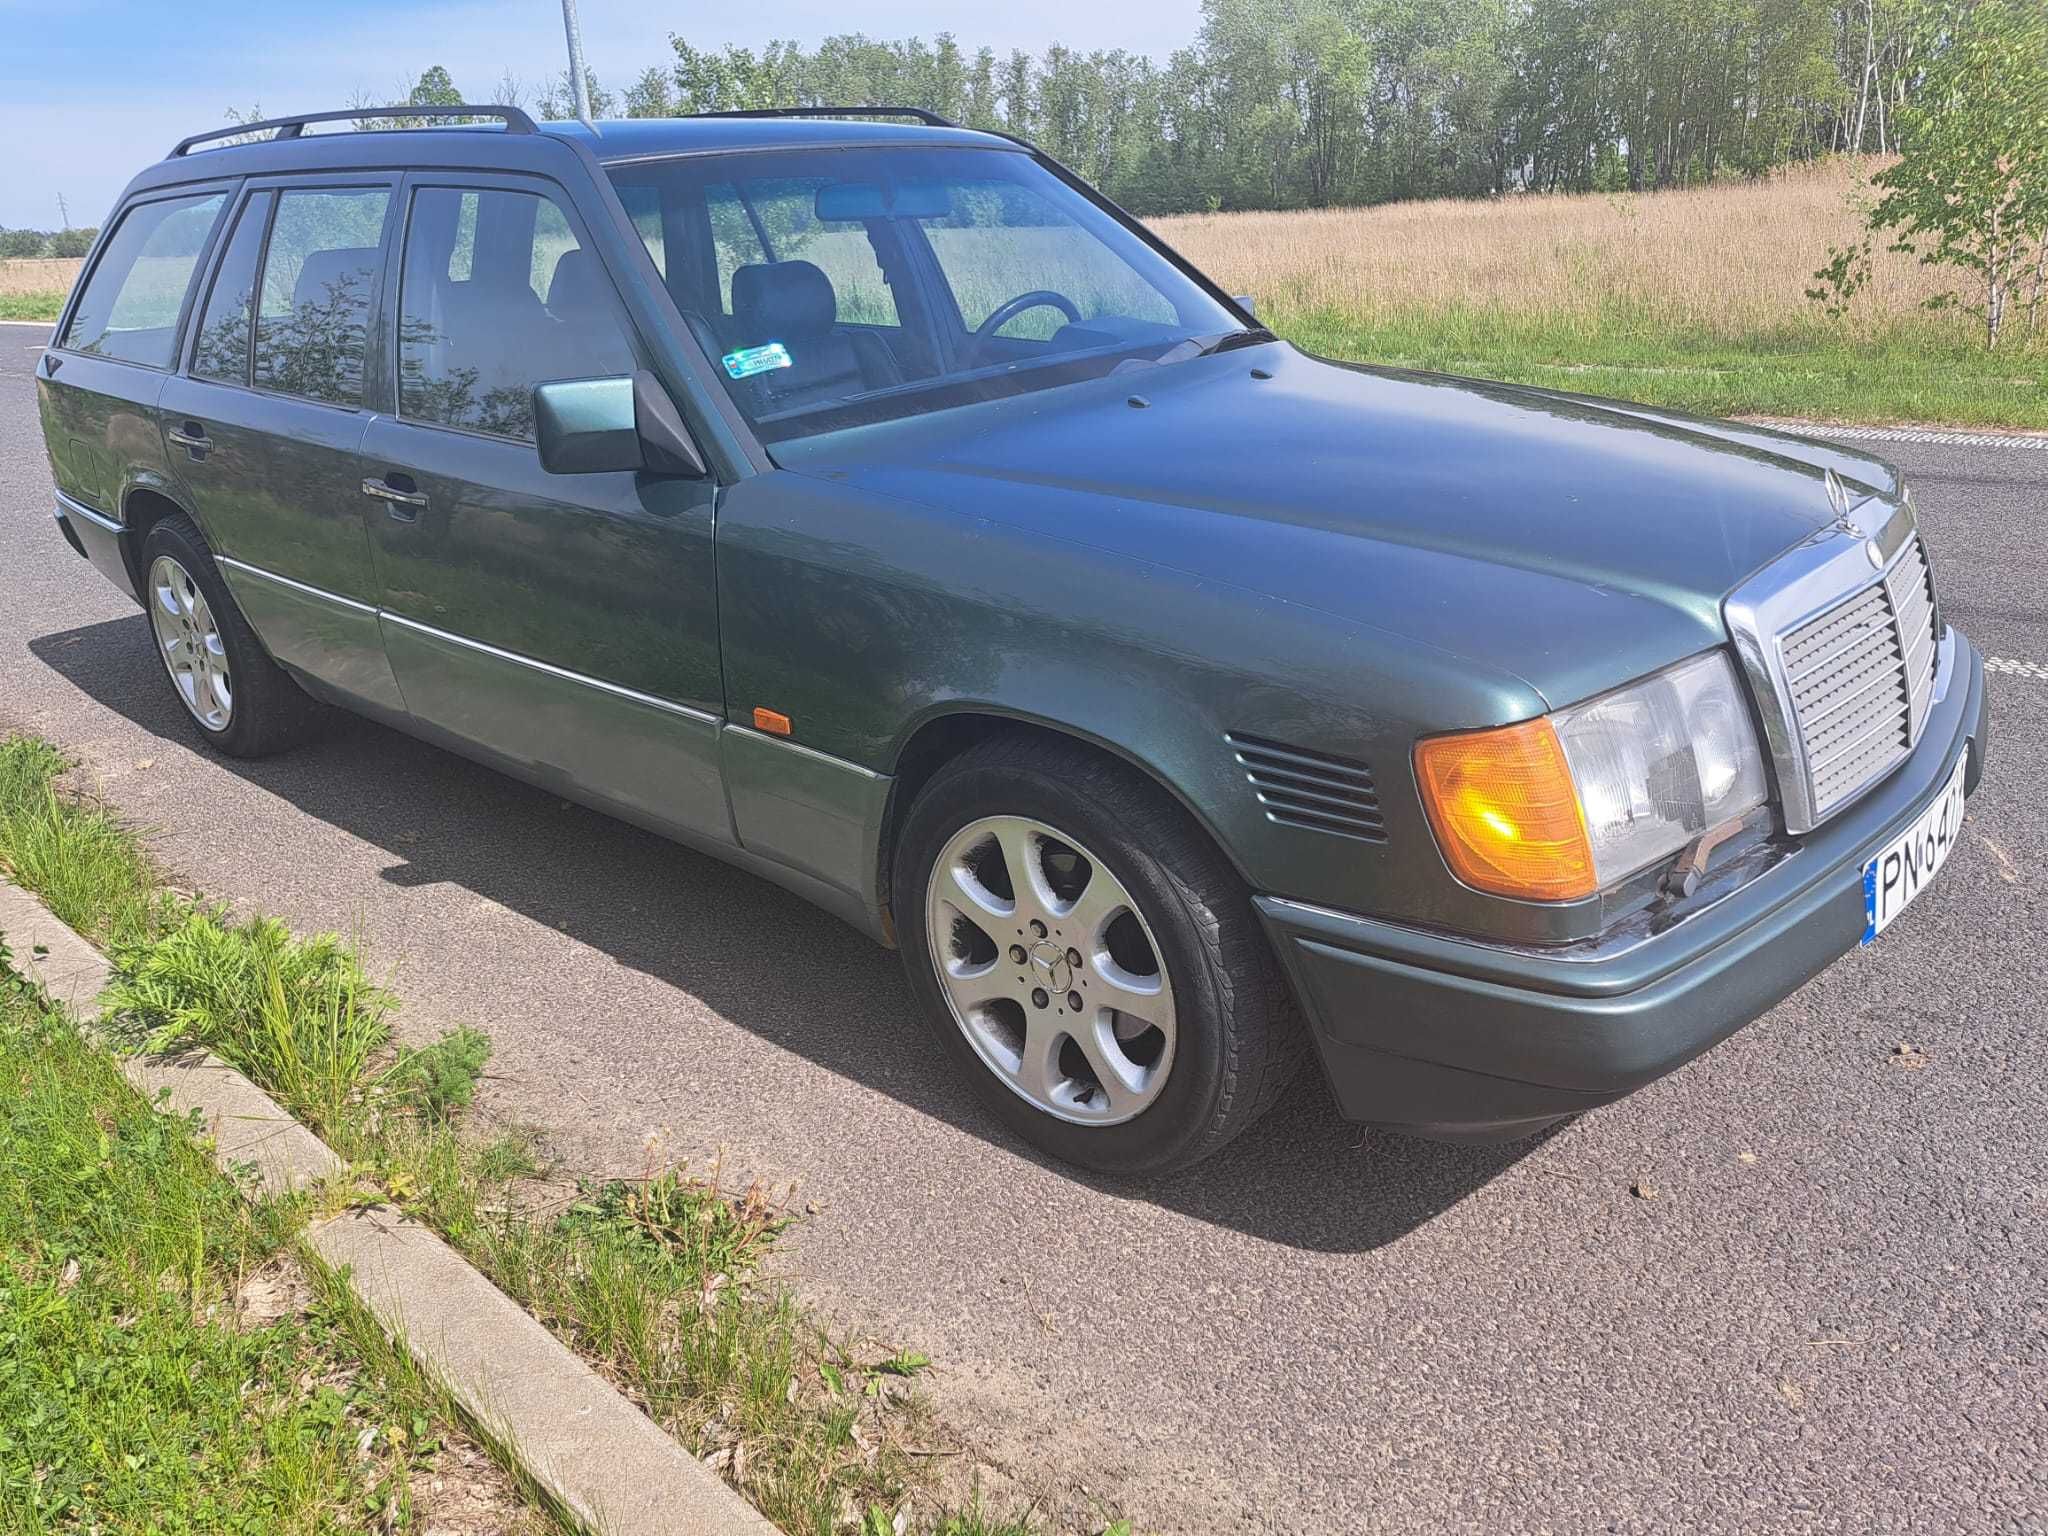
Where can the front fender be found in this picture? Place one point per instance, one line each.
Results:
(863, 616)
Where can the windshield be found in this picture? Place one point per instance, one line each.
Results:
(851, 285)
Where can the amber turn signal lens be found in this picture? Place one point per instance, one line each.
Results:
(1505, 812)
(773, 721)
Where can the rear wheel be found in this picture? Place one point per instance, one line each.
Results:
(237, 698)
(1089, 959)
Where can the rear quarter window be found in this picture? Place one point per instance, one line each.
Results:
(129, 309)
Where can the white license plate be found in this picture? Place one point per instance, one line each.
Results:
(1905, 866)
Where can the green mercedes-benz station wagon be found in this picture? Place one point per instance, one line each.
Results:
(870, 503)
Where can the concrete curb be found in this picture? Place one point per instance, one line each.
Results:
(603, 1460)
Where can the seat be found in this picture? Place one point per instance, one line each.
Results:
(336, 280)
(792, 302)
(586, 336)
(317, 349)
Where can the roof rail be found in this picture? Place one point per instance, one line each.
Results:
(921, 114)
(515, 121)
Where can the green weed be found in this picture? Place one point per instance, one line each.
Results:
(297, 1015)
(88, 869)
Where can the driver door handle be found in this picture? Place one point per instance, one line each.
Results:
(405, 501)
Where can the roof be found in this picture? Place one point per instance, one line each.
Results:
(545, 147)
(636, 137)
(614, 139)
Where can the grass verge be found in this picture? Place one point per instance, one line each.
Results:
(656, 1280)
(1910, 372)
(31, 306)
(165, 1362)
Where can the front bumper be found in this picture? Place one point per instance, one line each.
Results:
(1453, 1037)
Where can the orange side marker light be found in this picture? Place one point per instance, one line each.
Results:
(771, 721)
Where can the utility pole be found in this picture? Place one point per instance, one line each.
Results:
(579, 81)
(64, 213)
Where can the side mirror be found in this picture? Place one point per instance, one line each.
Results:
(1247, 303)
(590, 426)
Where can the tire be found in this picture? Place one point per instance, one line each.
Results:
(237, 699)
(1174, 1074)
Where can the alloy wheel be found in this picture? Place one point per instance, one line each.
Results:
(189, 641)
(1050, 970)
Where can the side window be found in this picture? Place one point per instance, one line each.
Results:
(999, 239)
(222, 349)
(496, 297)
(130, 305)
(313, 313)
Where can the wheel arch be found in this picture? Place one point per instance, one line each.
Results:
(143, 505)
(946, 734)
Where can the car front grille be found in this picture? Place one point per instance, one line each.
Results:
(1859, 679)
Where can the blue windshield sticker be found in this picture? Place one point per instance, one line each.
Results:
(748, 361)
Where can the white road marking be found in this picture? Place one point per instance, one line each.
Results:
(2038, 671)
(1947, 437)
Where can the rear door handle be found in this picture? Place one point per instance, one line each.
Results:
(404, 499)
(192, 438)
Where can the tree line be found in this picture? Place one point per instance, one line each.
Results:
(1317, 103)
(16, 244)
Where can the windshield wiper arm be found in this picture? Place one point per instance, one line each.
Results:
(1230, 341)
(1200, 346)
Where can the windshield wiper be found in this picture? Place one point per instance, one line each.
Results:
(1203, 346)
(1230, 341)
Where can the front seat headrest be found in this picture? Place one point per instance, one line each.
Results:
(783, 301)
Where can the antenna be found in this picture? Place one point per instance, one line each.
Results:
(579, 82)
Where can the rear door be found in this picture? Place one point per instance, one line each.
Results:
(566, 624)
(101, 378)
(265, 422)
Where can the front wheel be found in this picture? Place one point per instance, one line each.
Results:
(1087, 956)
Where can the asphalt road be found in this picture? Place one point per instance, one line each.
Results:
(1832, 1315)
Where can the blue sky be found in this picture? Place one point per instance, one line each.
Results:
(91, 90)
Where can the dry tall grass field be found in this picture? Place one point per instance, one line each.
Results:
(1693, 299)
(38, 275)
(1731, 261)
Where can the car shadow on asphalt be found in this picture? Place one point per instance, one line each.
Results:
(1304, 1176)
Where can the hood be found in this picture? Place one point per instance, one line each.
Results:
(1572, 542)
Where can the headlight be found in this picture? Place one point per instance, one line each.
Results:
(1558, 808)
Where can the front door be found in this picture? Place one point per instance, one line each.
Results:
(565, 625)
(264, 423)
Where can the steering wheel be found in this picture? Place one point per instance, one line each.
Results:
(1037, 298)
